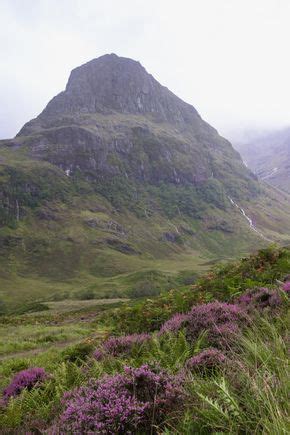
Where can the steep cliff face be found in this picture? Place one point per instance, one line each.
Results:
(115, 119)
(116, 84)
(116, 176)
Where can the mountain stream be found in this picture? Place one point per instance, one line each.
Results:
(249, 220)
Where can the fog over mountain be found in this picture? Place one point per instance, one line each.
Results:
(267, 154)
(225, 58)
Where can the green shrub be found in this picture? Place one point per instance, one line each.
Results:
(77, 353)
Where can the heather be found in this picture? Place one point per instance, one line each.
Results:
(208, 363)
(286, 287)
(260, 299)
(207, 360)
(222, 323)
(175, 323)
(138, 398)
(117, 346)
(30, 378)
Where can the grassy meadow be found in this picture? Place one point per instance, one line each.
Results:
(80, 342)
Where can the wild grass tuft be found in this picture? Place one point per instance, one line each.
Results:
(250, 395)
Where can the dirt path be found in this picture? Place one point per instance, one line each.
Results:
(37, 351)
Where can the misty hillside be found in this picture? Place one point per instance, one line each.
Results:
(268, 156)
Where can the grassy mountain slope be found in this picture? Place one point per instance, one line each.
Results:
(118, 186)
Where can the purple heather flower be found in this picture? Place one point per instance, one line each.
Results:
(221, 321)
(174, 324)
(260, 298)
(286, 287)
(117, 346)
(129, 402)
(29, 379)
(207, 360)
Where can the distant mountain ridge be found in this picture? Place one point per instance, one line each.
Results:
(268, 156)
(119, 182)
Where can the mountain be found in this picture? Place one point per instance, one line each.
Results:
(268, 155)
(119, 185)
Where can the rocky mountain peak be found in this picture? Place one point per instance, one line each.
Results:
(115, 120)
(117, 84)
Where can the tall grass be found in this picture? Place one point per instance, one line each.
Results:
(250, 396)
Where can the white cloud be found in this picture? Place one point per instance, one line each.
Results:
(229, 58)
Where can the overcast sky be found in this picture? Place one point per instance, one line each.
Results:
(228, 58)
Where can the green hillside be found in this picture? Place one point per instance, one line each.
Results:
(118, 187)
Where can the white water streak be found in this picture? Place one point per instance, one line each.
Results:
(270, 174)
(250, 221)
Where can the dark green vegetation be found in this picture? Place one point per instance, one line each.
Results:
(247, 394)
(117, 188)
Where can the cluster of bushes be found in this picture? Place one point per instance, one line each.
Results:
(148, 283)
(219, 367)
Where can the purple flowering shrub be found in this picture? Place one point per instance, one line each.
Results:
(134, 400)
(206, 361)
(120, 346)
(174, 324)
(221, 321)
(260, 298)
(28, 379)
(286, 287)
